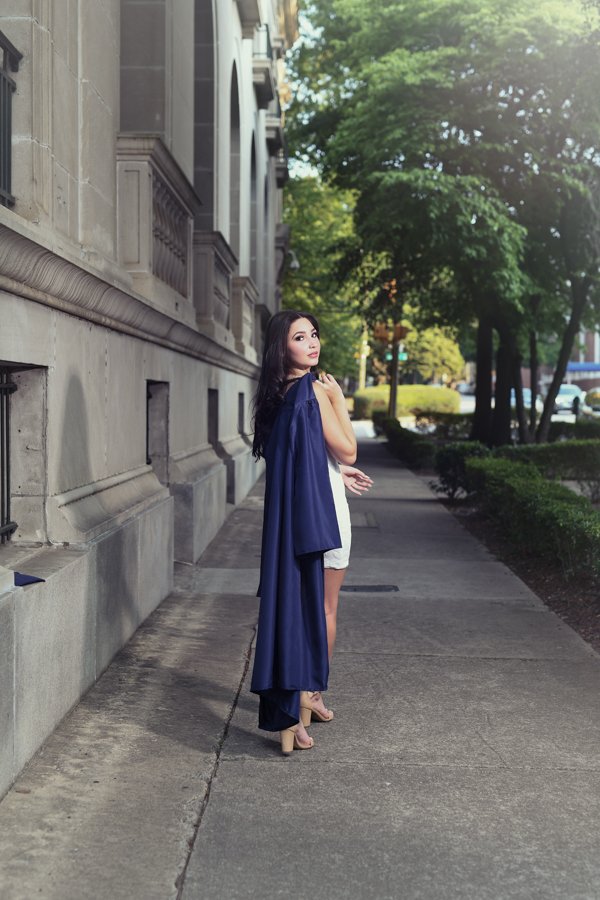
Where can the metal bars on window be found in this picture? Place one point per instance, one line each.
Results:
(7, 387)
(9, 62)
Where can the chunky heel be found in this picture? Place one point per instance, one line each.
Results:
(305, 715)
(287, 740)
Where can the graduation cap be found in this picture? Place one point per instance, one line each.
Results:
(10, 579)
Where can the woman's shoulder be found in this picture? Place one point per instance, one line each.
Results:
(320, 393)
(319, 389)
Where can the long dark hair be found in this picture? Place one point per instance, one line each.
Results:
(273, 374)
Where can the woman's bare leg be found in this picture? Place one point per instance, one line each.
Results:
(334, 578)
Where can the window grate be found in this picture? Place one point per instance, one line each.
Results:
(7, 387)
(9, 61)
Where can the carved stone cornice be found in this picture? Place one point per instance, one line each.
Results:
(36, 273)
(250, 16)
(274, 133)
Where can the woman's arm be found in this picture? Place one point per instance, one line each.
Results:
(337, 428)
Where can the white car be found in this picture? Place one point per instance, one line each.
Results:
(570, 399)
(467, 396)
(539, 403)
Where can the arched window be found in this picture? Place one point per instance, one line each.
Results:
(253, 217)
(266, 266)
(234, 167)
(204, 118)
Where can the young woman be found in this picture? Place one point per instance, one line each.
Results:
(303, 431)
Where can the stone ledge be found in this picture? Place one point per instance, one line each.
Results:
(32, 271)
(57, 637)
(194, 464)
(84, 513)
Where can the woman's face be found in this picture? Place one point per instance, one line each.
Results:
(303, 346)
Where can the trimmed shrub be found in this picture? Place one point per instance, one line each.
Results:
(565, 460)
(450, 463)
(412, 399)
(592, 398)
(367, 400)
(584, 429)
(409, 446)
(543, 518)
(446, 426)
(378, 417)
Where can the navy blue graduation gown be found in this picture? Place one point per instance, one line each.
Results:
(299, 525)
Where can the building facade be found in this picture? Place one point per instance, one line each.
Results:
(142, 158)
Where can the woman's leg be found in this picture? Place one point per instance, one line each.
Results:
(334, 578)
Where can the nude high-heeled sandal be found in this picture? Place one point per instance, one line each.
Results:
(308, 709)
(289, 741)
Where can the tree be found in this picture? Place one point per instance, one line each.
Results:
(433, 355)
(470, 133)
(320, 218)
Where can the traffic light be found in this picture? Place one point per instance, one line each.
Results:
(381, 332)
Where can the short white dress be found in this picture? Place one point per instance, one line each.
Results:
(339, 558)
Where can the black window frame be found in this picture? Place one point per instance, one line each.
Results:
(7, 388)
(9, 62)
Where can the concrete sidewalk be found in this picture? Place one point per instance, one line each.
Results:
(463, 761)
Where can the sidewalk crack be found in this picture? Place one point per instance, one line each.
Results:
(180, 880)
(492, 748)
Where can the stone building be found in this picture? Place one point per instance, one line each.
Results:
(141, 161)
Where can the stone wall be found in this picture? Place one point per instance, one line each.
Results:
(138, 269)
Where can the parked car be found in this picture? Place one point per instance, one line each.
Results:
(467, 396)
(539, 403)
(570, 399)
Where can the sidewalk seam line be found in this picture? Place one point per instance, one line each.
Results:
(180, 879)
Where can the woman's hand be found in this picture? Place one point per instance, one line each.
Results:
(332, 389)
(355, 480)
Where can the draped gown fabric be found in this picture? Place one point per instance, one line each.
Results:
(299, 525)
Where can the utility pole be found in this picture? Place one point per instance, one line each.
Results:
(362, 363)
(397, 335)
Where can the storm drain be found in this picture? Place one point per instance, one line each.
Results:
(370, 588)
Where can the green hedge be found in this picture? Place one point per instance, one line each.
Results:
(447, 426)
(412, 399)
(379, 416)
(584, 429)
(541, 517)
(409, 446)
(592, 398)
(450, 464)
(565, 460)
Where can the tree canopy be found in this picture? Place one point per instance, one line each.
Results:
(321, 222)
(469, 132)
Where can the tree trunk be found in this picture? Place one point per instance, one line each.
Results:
(517, 383)
(482, 418)
(394, 381)
(533, 380)
(501, 419)
(579, 292)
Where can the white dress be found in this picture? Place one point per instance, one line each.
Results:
(339, 558)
